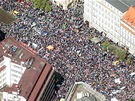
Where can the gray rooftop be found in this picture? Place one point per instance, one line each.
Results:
(86, 91)
(121, 5)
(92, 98)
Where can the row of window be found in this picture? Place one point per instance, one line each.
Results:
(15, 76)
(14, 81)
(3, 80)
(106, 25)
(16, 71)
(107, 14)
(128, 36)
(18, 67)
(127, 43)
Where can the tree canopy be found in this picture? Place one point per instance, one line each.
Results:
(42, 5)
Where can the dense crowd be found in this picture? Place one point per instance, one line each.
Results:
(75, 57)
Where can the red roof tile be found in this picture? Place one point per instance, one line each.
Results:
(129, 16)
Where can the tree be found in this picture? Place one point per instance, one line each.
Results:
(106, 45)
(37, 4)
(121, 54)
(128, 61)
(42, 5)
(47, 7)
(112, 49)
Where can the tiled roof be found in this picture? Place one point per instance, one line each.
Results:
(129, 17)
(34, 76)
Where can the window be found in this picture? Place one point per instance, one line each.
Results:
(108, 13)
(108, 24)
(15, 71)
(108, 18)
(99, 6)
(14, 75)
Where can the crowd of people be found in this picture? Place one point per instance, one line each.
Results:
(75, 57)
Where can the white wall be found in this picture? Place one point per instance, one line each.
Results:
(104, 17)
(128, 39)
(8, 68)
(12, 73)
(12, 97)
(16, 73)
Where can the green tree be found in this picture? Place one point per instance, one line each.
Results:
(112, 49)
(42, 5)
(121, 54)
(128, 61)
(105, 45)
(36, 3)
(47, 7)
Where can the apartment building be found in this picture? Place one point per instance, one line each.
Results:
(24, 76)
(108, 16)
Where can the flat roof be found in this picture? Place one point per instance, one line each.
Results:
(6, 17)
(121, 5)
(34, 76)
(87, 92)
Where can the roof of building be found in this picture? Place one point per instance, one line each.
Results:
(84, 92)
(6, 17)
(121, 5)
(129, 17)
(35, 73)
(92, 98)
(128, 2)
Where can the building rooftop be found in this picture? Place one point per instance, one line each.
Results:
(128, 2)
(37, 69)
(83, 92)
(129, 17)
(122, 5)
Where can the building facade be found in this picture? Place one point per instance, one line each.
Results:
(107, 16)
(24, 76)
(127, 35)
(65, 3)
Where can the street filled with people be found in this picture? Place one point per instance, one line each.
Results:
(74, 56)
